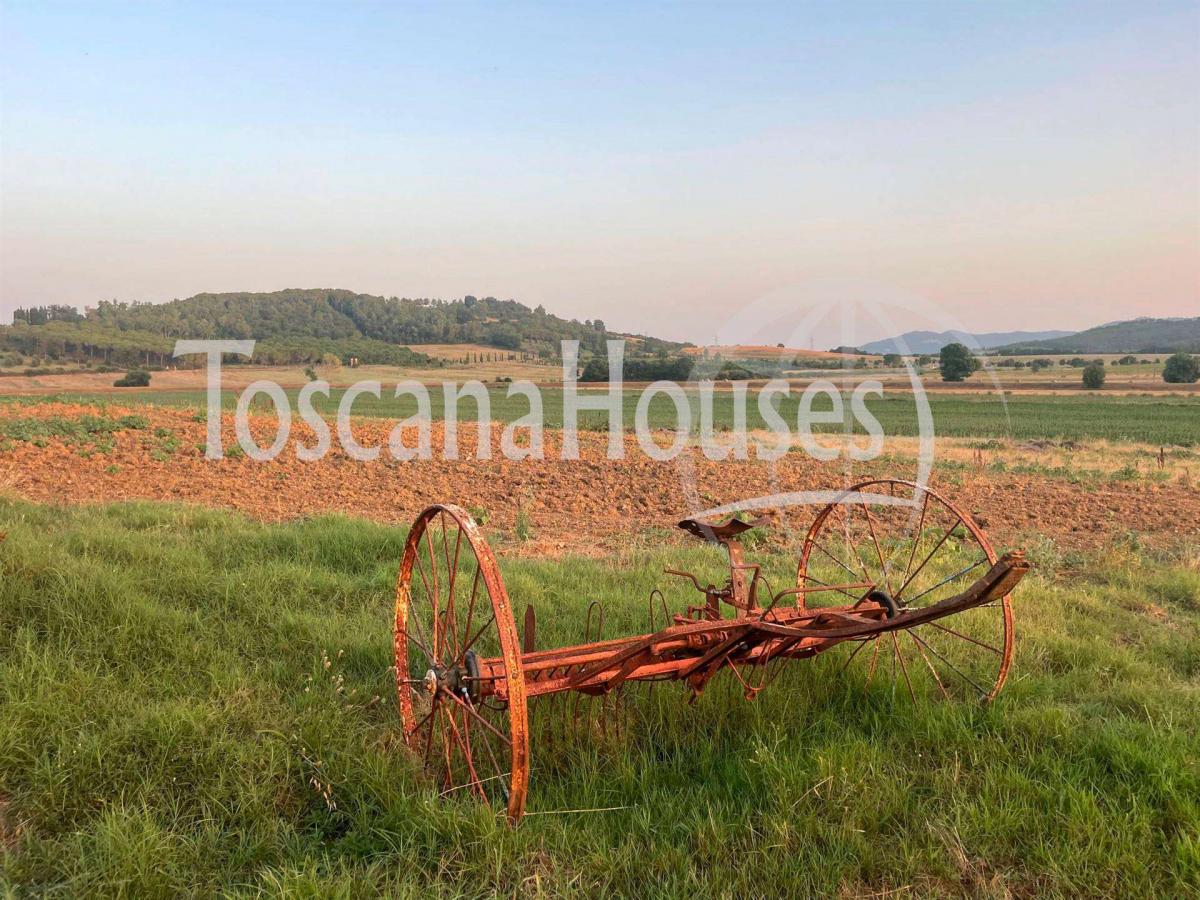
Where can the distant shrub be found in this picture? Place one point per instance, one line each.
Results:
(1093, 377)
(134, 378)
(1181, 368)
(1127, 360)
(671, 369)
(734, 372)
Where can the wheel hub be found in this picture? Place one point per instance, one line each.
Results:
(884, 599)
(454, 679)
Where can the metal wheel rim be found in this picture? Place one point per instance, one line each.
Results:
(420, 733)
(1003, 649)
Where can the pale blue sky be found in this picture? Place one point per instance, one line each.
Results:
(1015, 164)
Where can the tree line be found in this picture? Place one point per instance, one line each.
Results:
(88, 343)
(292, 320)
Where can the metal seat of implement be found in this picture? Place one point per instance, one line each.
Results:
(720, 534)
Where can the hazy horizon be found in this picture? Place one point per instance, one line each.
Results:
(1019, 167)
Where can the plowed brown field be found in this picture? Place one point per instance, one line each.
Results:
(571, 505)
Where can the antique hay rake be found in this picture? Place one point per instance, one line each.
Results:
(899, 557)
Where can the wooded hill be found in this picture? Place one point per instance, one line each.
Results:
(1144, 335)
(302, 326)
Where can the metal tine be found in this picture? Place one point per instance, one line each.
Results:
(604, 697)
(652, 615)
(587, 639)
(595, 609)
(553, 703)
(570, 706)
(545, 709)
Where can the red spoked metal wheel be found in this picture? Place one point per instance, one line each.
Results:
(916, 553)
(468, 723)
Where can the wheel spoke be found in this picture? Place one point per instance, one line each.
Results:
(448, 781)
(874, 660)
(878, 552)
(412, 614)
(932, 670)
(852, 573)
(458, 729)
(471, 642)
(948, 579)
(850, 658)
(420, 646)
(821, 583)
(451, 577)
(464, 744)
(470, 611)
(433, 605)
(428, 716)
(916, 536)
(926, 550)
(486, 724)
(903, 666)
(965, 637)
(853, 543)
(488, 746)
(950, 665)
(436, 598)
(937, 547)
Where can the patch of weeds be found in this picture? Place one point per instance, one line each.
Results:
(70, 430)
(1129, 541)
(235, 451)
(523, 529)
(479, 514)
(169, 442)
(754, 539)
(1045, 554)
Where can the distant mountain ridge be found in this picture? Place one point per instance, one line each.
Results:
(1142, 335)
(932, 341)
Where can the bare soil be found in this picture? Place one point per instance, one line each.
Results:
(571, 505)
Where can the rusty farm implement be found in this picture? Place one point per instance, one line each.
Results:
(896, 580)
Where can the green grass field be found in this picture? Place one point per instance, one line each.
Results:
(1153, 420)
(192, 703)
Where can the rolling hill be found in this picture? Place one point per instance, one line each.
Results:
(932, 341)
(1144, 335)
(303, 325)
